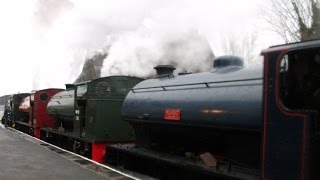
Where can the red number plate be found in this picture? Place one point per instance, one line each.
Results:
(172, 114)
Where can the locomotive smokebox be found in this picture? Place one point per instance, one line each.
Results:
(164, 70)
(226, 61)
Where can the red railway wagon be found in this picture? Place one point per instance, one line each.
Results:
(36, 116)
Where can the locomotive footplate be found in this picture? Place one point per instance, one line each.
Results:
(23, 123)
(168, 166)
(65, 134)
(24, 127)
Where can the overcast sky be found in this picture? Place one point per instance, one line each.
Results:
(44, 42)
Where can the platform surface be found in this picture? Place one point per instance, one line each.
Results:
(22, 159)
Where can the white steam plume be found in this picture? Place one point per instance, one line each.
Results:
(47, 11)
(137, 35)
(50, 39)
(166, 37)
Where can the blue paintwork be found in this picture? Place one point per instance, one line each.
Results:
(232, 100)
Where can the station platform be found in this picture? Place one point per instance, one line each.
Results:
(21, 157)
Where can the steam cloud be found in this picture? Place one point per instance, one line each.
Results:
(161, 39)
(136, 36)
(47, 11)
(135, 39)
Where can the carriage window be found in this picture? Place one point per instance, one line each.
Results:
(81, 90)
(284, 64)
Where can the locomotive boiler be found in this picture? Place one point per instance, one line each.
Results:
(209, 99)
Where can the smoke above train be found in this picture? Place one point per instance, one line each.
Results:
(54, 38)
(134, 40)
(137, 55)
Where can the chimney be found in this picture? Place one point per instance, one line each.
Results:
(164, 70)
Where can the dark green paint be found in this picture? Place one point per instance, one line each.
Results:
(100, 117)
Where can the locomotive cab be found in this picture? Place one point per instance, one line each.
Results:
(291, 143)
(299, 92)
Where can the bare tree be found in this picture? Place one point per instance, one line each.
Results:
(294, 20)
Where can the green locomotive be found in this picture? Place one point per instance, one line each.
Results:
(88, 116)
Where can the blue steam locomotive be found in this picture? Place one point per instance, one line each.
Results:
(232, 122)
